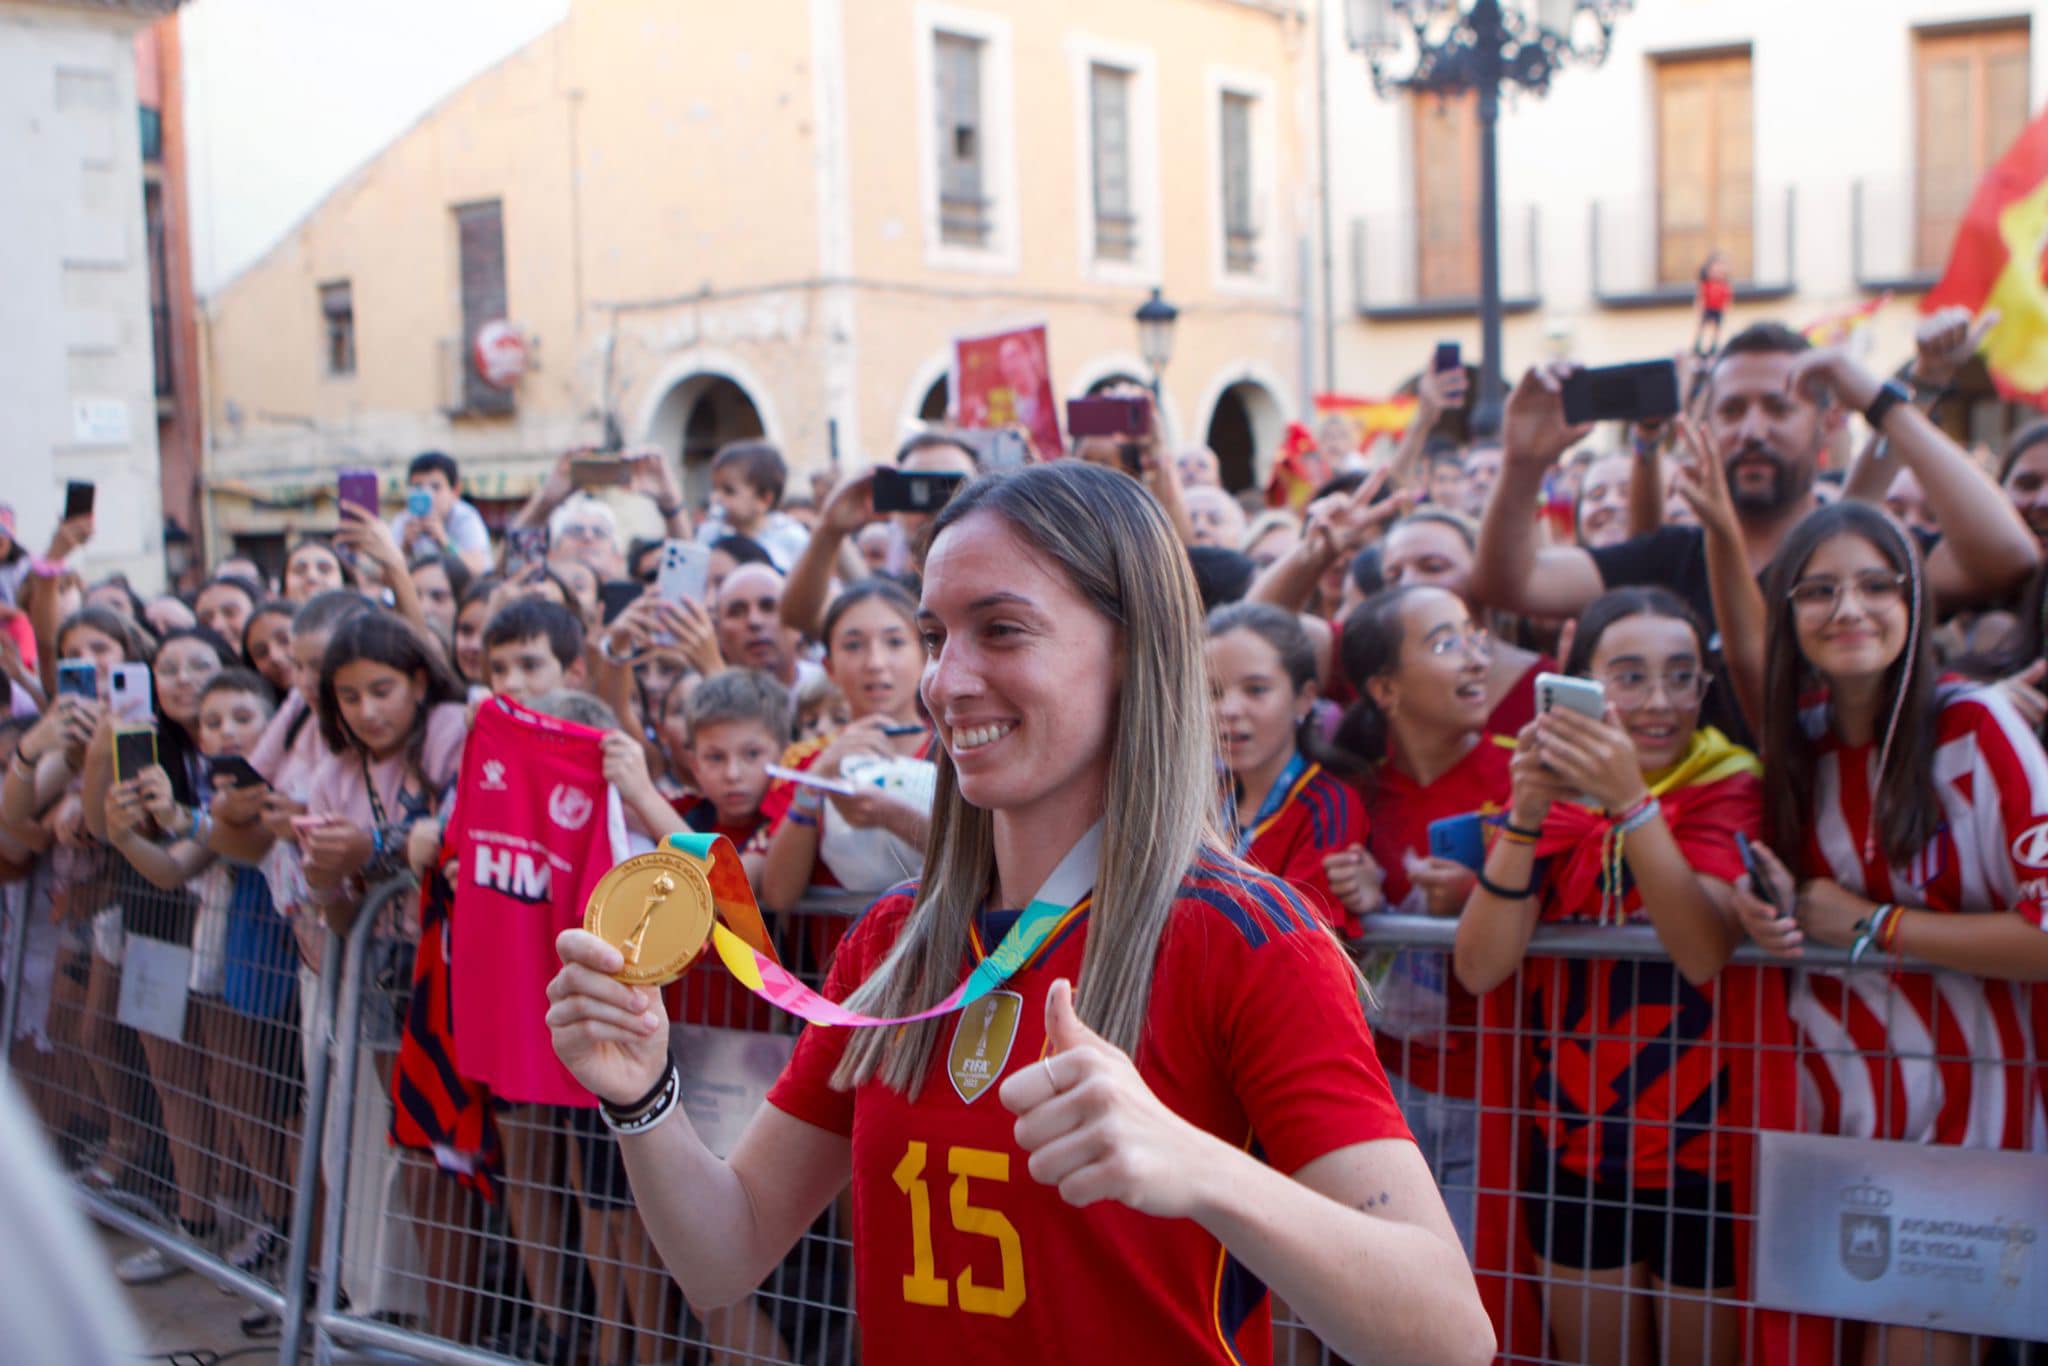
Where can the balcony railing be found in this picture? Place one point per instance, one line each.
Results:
(1626, 254)
(1392, 282)
(1886, 251)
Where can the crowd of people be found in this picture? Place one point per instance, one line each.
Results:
(1818, 708)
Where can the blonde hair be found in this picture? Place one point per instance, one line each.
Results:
(1101, 530)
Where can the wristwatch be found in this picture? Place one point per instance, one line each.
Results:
(1890, 395)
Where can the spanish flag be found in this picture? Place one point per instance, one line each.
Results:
(1996, 263)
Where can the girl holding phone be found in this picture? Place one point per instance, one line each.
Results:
(1105, 1181)
(1905, 815)
(1622, 1203)
(1291, 814)
(185, 661)
(1418, 733)
(871, 654)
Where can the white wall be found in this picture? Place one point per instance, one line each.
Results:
(339, 83)
(74, 310)
(1832, 100)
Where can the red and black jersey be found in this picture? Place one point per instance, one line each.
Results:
(434, 1108)
(1868, 1036)
(1254, 1033)
(1628, 1076)
(1318, 815)
(1427, 1024)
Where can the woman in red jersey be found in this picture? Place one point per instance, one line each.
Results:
(1212, 1119)
(1290, 813)
(1916, 816)
(1418, 731)
(1625, 1077)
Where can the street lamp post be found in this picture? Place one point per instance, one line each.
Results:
(1479, 45)
(1155, 318)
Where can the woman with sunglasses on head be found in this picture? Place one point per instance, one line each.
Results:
(1908, 820)
(1418, 732)
(1109, 1188)
(1627, 1164)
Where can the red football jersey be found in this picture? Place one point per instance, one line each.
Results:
(1255, 1034)
(535, 827)
(1428, 1025)
(1320, 815)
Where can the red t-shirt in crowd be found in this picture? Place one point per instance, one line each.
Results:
(1320, 815)
(707, 993)
(1254, 1033)
(1427, 1025)
(1631, 1068)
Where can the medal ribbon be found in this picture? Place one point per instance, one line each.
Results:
(750, 957)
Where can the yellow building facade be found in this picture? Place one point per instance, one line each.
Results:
(708, 221)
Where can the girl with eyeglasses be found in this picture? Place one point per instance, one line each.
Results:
(1418, 733)
(1626, 1163)
(1909, 820)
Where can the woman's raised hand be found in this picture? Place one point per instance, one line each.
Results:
(613, 1038)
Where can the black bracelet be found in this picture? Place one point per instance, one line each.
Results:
(1522, 831)
(656, 1106)
(1506, 893)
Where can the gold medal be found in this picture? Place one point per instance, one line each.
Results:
(982, 1042)
(656, 910)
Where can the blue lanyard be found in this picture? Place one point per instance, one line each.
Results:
(1276, 797)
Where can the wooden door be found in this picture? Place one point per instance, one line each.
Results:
(1706, 188)
(1970, 103)
(1446, 197)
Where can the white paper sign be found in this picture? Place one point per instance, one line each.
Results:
(726, 1076)
(155, 977)
(99, 421)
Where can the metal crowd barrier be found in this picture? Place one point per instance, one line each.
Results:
(383, 1252)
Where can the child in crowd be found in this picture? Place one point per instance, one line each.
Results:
(738, 723)
(532, 646)
(1290, 814)
(184, 663)
(1635, 1086)
(468, 637)
(267, 643)
(747, 480)
(821, 709)
(241, 980)
(1418, 730)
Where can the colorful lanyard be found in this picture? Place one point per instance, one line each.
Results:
(1276, 798)
(749, 956)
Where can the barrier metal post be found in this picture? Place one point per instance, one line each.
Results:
(292, 1330)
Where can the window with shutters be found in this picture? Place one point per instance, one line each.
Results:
(1970, 103)
(964, 205)
(338, 325)
(480, 246)
(1446, 197)
(1705, 178)
(1240, 224)
(1109, 122)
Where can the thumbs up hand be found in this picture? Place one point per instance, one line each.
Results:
(1093, 1127)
